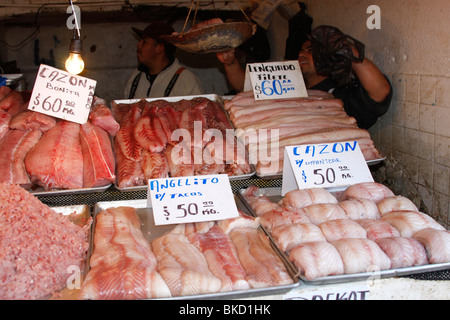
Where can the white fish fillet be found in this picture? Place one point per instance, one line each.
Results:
(397, 203)
(403, 252)
(408, 222)
(319, 213)
(289, 236)
(263, 266)
(317, 259)
(239, 222)
(283, 216)
(182, 266)
(260, 204)
(377, 229)
(368, 190)
(301, 198)
(437, 244)
(361, 255)
(360, 208)
(342, 228)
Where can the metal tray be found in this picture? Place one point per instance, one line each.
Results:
(274, 194)
(40, 191)
(151, 232)
(212, 97)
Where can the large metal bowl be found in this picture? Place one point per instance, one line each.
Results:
(215, 38)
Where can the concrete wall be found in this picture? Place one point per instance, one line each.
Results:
(412, 48)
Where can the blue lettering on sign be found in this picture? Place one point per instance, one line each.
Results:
(160, 184)
(338, 147)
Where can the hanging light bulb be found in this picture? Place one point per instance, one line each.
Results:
(75, 64)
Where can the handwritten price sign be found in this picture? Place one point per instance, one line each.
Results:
(62, 95)
(191, 199)
(275, 80)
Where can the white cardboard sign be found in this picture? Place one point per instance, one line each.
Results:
(62, 95)
(328, 165)
(191, 199)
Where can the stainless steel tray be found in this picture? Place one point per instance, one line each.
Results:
(212, 97)
(274, 194)
(42, 192)
(151, 232)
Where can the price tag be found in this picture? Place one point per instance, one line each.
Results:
(191, 199)
(62, 95)
(347, 291)
(330, 165)
(275, 80)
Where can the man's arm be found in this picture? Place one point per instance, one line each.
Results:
(233, 70)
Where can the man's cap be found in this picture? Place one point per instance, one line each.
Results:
(154, 30)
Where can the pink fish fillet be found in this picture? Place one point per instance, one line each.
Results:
(361, 255)
(183, 267)
(149, 132)
(377, 229)
(125, 137)
(283, 216)
(263, 266)
(123, 267)
(12, 100)
(222, 259)
(101, 116)
(397, 203)
(30, 120)
(129, 173)
(14, 147)
(289, 236)
(360, 208)
(321, 212)
(408, 222)
(169, 118)
(98, 156)
(317, 259)
(154, 165)
(403, 252)
(5, 120)
(56, 161)
(260, 204)
(342, 228)
(437, 244)
(300, 198)
(368, 190)
(180, 160)
(243, 221)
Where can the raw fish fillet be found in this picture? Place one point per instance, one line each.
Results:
(194, 121)
(222, 259)
(120, 110)
(14, 147)
(408, 222)
(301, 198)
(30, 120)
(123, 267)
(4, 91)
(101, 116)
(154, 165)
(129, 173)
(403, 252)
(360, 208)
(180, 161)
(56, 161)
(98, 157)
(377, 229)
(289, 236)
(148, 131)
(260, 204)
(283, 216)
(197, 227)
(263, 266)
(317, 259)
(368, 190)
(361, 255)
(12, 100)
(437, 244)
(183, 266)
(5, 120)
(243, 221)
(168, 116)
(342, 228)
(397, 203)
(319, 213)
(125, 136)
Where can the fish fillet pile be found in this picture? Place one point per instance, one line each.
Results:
(365, 228)
(191, 259)
(40, 150)
(159, 139)
(267, 126)
(38, 246)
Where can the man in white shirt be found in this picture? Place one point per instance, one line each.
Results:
(159, 73)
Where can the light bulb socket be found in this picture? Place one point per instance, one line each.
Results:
(75, 46)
